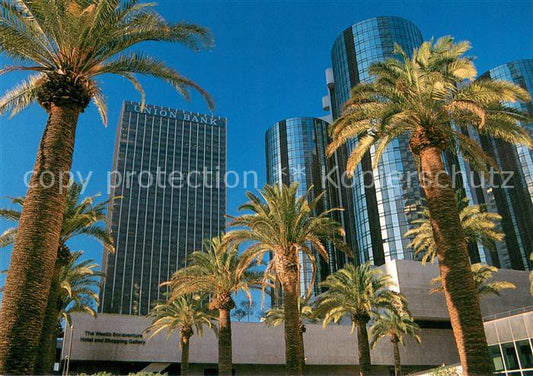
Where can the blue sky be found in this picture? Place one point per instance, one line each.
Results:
(268, 64)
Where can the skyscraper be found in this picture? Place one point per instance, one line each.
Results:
(295, 153)
(514, 201)
(168, 167)
(380, 201)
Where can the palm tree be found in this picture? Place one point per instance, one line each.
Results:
(239, 314)
(219, 272)
(395, 325)
(82, 218)
(247, 307)
(427, 99)
(285, 226)
(478, 225)
(358, 292)
(66, 44)
(79, 282)
(186, 314)
(481, 273)
(276, 316)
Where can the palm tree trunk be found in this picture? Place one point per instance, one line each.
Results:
(34, 253)
(364, 349)
(302, 331)
(397, 362)
(184, 366)
(46, 352)
(454, 265)
(225, 364)
(293, 334)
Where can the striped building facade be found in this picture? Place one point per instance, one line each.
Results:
(168, 167)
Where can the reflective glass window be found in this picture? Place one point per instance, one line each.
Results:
(509, 355)
(524, 353)
(496, 356)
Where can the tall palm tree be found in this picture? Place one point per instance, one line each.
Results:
(358, 292)
(395, 325)
(478, 225)
(482, 273)
(82, 218)
(285, 225)
(79, 282)
(220, 272)
(66, 44)
(187, 314)
(427, 99)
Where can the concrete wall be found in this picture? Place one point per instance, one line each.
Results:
(508, 329)
(253, 343)
(413, 280)
(510, 299)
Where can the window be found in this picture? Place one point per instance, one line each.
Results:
(496, 357)
(524, 353)
(509, 354)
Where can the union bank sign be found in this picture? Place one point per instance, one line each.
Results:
(170, 113)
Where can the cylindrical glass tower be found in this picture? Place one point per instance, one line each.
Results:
(382, 199)
(295, 152)
(514, 201)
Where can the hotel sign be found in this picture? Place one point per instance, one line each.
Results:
(112, 337)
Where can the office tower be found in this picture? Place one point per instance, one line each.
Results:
(295, 152)
(379, 202)
(167, 167)
(514, 200)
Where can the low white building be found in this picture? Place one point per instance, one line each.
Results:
(115, 342)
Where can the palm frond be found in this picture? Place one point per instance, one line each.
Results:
(8, 237)
(20, 97)
(359, 292)
(395, 325)
(357, 154)
(79, 281)
(141, 64)
(81, 39)
(428, 94)
(478, 225)
(286, 225)
(217, 270)
(100, 102)
(185, 313)
(482, 274)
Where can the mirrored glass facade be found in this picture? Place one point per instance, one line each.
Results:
(515, 201)
(167, 168)
(295, 152)
(383, 199)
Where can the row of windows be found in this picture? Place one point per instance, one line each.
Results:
(512, 356)
(134, 117)
(185, 149)
(138, 137)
